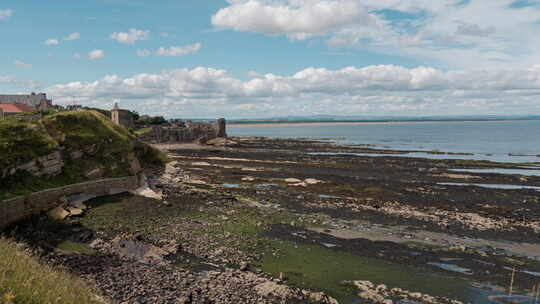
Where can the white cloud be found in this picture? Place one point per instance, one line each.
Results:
(50, 42)
(77, 55)
(6, 14)
(143, 53)
(96, 54)
(73, 36)
(448, 33)
(299, 19)
(372, 90)
(130, 37)
(22, 65)
(179, 50)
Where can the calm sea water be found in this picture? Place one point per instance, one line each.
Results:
(492, 140)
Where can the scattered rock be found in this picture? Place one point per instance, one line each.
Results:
(95, 173)
(58, 213)
(312, 181)
(221, 142)
(292, 180)
(197, 182)
(272, 289)
(322, 298)
(381, 294)
(457, 176)
(74, 211)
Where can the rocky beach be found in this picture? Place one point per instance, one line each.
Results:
(259, 220)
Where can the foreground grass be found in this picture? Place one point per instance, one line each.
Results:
(23, 279)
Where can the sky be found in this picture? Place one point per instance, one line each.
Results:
(270, 58)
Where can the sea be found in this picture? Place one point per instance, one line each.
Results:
(502, 141)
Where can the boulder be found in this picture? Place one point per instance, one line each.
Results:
(95, 173)
(321, 298)
(312, 181)
(292, 180)
(58, 213)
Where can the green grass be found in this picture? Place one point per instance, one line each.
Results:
(25, 280)
(74, 247)
(143, 130)
(81, 129)
(22, 141)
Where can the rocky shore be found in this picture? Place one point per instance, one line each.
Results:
(257, 220)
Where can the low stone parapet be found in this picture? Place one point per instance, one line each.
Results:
(21, 207)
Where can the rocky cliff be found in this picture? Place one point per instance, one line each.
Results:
(66, 148)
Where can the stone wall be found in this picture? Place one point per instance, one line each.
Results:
(19, 208)
(187, 132)
(122, 117)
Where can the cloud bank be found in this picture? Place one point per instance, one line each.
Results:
(372, 90)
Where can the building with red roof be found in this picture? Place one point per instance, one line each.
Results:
(37, 101)
(7, 109)
(17, 104)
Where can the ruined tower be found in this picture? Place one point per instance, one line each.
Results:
(115, 114)
(221, 128)
(122, 117)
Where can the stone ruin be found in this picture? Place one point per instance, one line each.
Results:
(122, 117)
(178, 131)
(186, 132)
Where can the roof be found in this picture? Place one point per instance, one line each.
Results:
(15, 108)
(31, 100)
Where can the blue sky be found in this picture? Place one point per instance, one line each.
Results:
(261, 58)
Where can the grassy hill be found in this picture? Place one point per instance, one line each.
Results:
(87, 140)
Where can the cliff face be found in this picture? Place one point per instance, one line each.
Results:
(66, 148)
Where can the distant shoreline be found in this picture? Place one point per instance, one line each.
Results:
(349, 123)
